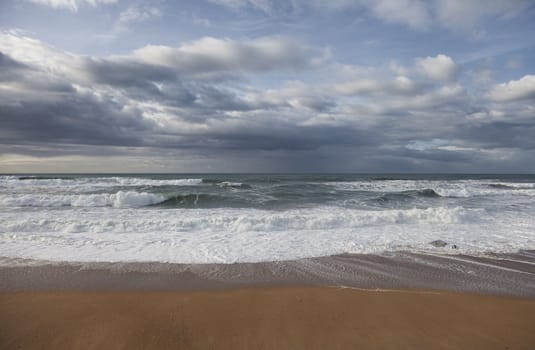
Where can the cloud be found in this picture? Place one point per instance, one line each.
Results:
(133, 14)
(40, 56)
(132, 101)
(262, 5)
(180, 102)
(211, 54)
(72, 5)
(514, 90)
(413, 13)
(461, 14)
(127, 18)
(9, 68)
(440, 67)
(136, 13)
(76, 119)
(455, 15)
(401, 85)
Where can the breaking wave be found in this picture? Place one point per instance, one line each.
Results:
(230, 235)
(121, 199)
(92, 182)
(408, 195)
(226, 221)
(231, 217)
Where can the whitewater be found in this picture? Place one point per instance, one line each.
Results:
(227, 218)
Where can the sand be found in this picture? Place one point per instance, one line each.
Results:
(266, 318)
(507, 275)
(409, 301)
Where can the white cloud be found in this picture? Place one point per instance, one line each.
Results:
(138, 14)
(72, 5)
(212, 54)
(463, 14)
(133, 14)
(456, 15)
(36, 53)
(440, 67)
(400, 85)
(448, 96)
(423, 145)
(263, 5)
(413, 13)
(514, 90)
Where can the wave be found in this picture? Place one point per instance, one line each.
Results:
(233, 184)
(407, 195)
(513, 186)
(454, 189)
(230, 235)
(230, 221)
(112, 181)
(124, 199)
(193, 200)
(45, 178)
(121, 199)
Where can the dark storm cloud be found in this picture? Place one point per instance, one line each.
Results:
(74, 119)
(213, 98)
(289, 137)
(437, 155)
(109, 110)
(501, 134)
(9, 68)
(124, 73)
(180, 99)
(39, 108)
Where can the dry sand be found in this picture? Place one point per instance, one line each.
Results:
(265, 318)
(430, 302)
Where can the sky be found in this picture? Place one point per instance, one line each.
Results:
(396, 86)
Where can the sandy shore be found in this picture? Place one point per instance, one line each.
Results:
(410, 301)
(265, 318)
(507, 275)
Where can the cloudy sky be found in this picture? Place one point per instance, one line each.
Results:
(267, 86)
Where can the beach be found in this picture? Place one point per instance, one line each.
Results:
(265, 318)
(267, 262)
(393, 301)
(267, 174)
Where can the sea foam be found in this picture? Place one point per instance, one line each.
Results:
(120, 199)
(258, 218)
(249, 235)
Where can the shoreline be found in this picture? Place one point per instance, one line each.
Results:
(499, 274)
(391, 301)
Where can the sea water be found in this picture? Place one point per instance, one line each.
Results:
(227, 218)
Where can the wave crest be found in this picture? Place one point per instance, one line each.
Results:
(121, 199)
(407, 195)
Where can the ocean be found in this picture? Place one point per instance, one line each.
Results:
(228, 218)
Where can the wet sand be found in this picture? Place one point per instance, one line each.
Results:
(508, 275)
(265, 318)
(396, 301)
